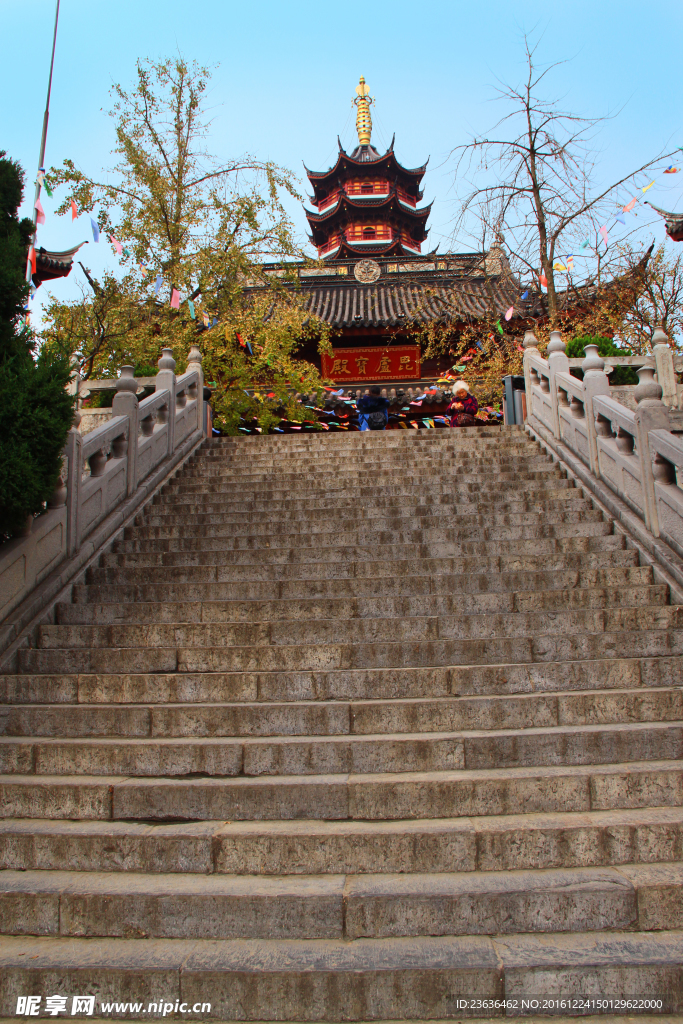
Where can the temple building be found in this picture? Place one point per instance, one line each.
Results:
(376, 282)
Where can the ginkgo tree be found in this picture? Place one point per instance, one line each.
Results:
(186, 223)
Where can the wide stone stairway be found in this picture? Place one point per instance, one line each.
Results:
(351, 727)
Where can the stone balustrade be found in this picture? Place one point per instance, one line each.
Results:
(635, 452)
(106, 474)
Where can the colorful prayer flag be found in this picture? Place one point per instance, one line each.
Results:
(117, 245)
(175, 299)
(499, 326)
(40, 217)
(620, 218)
(143, 269)
(190, 306)
(603, 232)
(570, 263)
(74, 211)
(95, 230)
(157, 284)
(559, 266)
(544, 281)
(526, 295)
(509, 312)
(33, 259)
(647, 187)
(629, 206)
(40, 176)
(239, 338)
(671, 169)
(584, 245)
(205, 319)
(126, 252)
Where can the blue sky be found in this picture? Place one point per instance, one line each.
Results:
(287, 71)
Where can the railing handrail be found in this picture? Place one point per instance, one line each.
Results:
(669, 445)
(153, 402)
(615, 412)
(104, 434)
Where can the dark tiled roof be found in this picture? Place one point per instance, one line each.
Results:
(366, 155)
(386, 203)
(674, 223)
(50, 265)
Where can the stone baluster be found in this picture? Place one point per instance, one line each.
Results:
(165, 381)
(664, 363)
(595, 382)
(557, 363)
(651, 414)
(126, 404)
(530, 345)
(74, 474)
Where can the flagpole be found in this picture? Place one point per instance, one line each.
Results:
(43, 141)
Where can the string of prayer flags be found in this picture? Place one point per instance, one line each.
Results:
(74, 211)
(157, 284)
(40, 212)
(629, 206)
(190, 306)
(603, 232)
(117, 245)
(647, 187)
(95, 230)
(509, 312)
(175, 299)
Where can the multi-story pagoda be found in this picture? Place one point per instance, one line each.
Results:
(367, 204)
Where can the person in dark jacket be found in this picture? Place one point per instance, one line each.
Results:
(463, 407)
(372, 410)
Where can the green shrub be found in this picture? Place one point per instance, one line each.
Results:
(576, 349)
(35, 410)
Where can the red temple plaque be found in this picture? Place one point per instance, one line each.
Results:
(392, 362)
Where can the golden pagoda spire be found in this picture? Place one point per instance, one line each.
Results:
(363, 118)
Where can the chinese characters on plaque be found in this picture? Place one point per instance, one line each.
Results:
(393, 362)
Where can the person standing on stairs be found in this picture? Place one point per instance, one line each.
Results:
(372, 410)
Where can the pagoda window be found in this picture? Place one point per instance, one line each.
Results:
(367, 186)
(369, 233)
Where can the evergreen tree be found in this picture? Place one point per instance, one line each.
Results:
(35, 410)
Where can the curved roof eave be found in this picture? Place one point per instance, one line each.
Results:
(418, 214)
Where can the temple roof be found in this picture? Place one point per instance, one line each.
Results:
(50, 265)
(361, 157)
(674, 223)
(369, 202)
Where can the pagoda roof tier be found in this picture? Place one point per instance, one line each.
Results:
(386, 203)
(371, 247)
(363, 157)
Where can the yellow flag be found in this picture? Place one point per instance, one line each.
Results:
(559, 266)
(648, 186)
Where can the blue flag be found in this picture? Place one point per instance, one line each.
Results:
(95, 230)
(526, 295)
(157, 284)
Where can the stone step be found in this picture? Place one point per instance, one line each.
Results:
(505, 512)
(554, 489)
(375, 532)
(399, 753)
(145, 687)
(221, 632)
(508, 842)
(571, 582)
(637, 897)
(273, 554)
(328, 472)
(255, 526)
(337, 718)
(419, 978)
(365, 797)
(341, 655)
(308, 454)
(311, 609)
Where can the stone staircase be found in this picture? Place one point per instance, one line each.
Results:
(351, 727)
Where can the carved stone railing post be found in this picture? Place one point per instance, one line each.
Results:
(651, 414)
(557, 363)
(530, 345)
(126, 404)
(74, 474)
(194, 362)
(595, 382)
(664, 363)
(165, 381)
